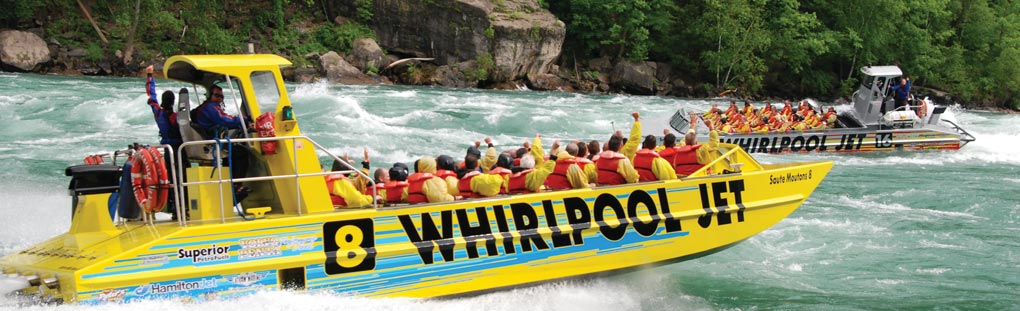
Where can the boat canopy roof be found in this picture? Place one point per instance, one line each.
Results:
(882, 71)
(206, 69)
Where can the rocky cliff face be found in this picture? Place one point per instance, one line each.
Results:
(518, 36)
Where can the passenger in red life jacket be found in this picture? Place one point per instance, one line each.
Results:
(342, 192)
(464, 177)
(593, 150)
(615, 168)
(692, 156)
(518, 181)
(587, 165)
(424, 186)
(669, 149)
(390, 184)
(649, 165)
(446, 170)
(566, 171)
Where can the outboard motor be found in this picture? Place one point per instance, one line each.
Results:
(95, 179)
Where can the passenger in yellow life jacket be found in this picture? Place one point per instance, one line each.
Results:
(649, 165)
(566, 170)
(709, 151)
(423, 186)
(613, 167)
(446, 170)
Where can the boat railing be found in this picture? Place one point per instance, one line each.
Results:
(180, 187)
(733, 159)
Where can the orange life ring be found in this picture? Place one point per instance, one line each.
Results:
(922, 109)
(148, 179)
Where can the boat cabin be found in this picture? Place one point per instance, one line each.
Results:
(874, 92)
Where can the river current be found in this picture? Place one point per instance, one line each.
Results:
(896, 230)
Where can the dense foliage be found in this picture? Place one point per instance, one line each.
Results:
(288, 27)
(783, 48)
(809, 48)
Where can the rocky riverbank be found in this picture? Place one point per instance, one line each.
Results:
(507, 44)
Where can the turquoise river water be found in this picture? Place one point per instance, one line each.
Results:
(898, 230)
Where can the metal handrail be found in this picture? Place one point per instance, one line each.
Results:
(181, 186)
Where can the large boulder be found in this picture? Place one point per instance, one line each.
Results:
(23, 50)
(634, 77)
(338, 70)
(548, 82)
(518, 36)
(366, 54)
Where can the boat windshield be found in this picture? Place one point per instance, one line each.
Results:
(267, 95)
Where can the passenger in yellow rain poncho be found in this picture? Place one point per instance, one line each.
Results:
(568, 177)
(490, 157)
(446, 169)
(634, 140)
(424, 186)
(587, 165)
(709, 151)
(342, 191)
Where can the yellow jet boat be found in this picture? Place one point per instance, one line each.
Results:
(287, 235)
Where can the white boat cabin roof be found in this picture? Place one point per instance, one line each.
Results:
(882, 71)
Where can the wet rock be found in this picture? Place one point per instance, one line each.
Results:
(23, 50)
(634, 77)
(517, 36)
(548, 82)
(338, 70)
(366, 54)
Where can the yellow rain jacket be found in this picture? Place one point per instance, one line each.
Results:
(434, 188)
(633, 142)
(488, 159)
(487, 185)
(345, 189)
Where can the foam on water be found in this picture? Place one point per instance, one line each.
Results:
(880, 231)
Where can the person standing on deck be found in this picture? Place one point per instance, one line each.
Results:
(901, 92)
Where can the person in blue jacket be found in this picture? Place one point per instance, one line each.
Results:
(166, 118)
(166, 121)
(901, 92)
(211, 118)
(213, 123)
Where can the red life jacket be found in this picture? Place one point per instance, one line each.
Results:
(643, 164)
(517, 162)
(415, 183)
(517, 182)
(558, 179)
(669, 154)
(445, 173)
(464, 185)
(607, 164)
(394, 190)
(687, 160)
(330, 180)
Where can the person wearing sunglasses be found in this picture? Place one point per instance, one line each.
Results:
(212, 122)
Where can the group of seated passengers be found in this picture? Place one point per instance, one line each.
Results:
(576, 165)
(750, 120)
